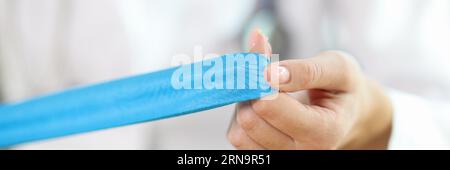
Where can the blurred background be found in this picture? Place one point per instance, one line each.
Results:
(50, 45)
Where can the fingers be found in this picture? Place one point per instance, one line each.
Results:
(240, 140)
(260, 131)
(309, 125)
(284, 123)
(327, 71)
(259, 43)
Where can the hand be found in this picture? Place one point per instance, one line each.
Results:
(338, 107)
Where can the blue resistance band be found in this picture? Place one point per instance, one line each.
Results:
(129, 100)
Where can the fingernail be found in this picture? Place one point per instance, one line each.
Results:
(283, 74)
(279, 73)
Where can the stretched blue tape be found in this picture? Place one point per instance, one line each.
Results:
(134, 99)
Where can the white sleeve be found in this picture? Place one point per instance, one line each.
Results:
(419, 123)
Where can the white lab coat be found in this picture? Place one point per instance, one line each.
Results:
(49, 45)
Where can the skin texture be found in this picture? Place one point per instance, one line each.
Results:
(324, 102)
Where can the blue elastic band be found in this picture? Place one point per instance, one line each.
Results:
(121, 102)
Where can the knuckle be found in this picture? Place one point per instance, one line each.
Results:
(346, 60)
(348, 66)
(313, 72)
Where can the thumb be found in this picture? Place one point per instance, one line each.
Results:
(334, 71)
